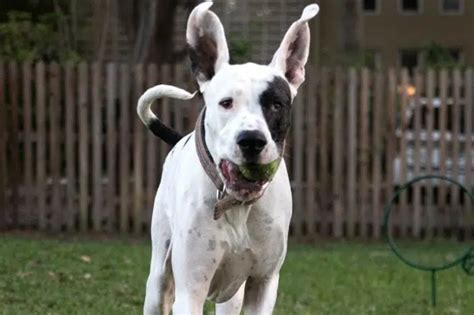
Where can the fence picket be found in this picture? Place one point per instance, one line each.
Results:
(3, 146)
(70, 145)
(311, 210)
(442, 192)
(151, 156)
(468, 130)
(364, 153)
(429, 217)
(138, 139)
(97, 171)
(124, 149)
(13, 143)
(416, 158)
(402, 168)
(83, 99)
(390, 140)
(352, 205)
(297, 144)
(455, 210)
(28, 143)
(377, 151)
(323, 153)
(54, 146)
(41, 144)
(111, 150)
(337, 154)
(165, 116)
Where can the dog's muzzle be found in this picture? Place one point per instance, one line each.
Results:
(236, 184)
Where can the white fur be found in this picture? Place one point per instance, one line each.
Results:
(154, 93)
(234, 261)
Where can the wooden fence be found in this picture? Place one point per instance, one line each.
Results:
(75, 157)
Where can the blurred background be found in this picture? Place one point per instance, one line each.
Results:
(388, 97)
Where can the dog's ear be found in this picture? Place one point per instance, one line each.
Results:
(207, 44)
(291, 56)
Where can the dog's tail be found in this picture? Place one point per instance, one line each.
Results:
(152, 122)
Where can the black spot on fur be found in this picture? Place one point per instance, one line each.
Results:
(278, 118)
(167, 243)
(164, 132)
(211, 245)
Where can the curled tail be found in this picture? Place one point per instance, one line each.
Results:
(152, 122)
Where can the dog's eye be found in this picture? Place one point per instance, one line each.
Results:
(276, 106)
(226, 103)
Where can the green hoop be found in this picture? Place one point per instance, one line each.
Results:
(466, 260)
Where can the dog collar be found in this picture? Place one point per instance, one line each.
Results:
(224, 201)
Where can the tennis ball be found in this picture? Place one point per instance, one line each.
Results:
(257, 172)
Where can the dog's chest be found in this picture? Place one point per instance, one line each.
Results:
(254, 249)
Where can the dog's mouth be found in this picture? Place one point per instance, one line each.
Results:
(244, 188)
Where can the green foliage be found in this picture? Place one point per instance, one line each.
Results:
(360, 59)
(437, 56)
(108, 277)
(240, 50)
(23, 38)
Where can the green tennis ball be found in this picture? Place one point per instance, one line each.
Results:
(256, 172)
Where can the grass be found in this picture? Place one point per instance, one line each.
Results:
(108, 277)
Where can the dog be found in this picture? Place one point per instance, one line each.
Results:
(216, 234)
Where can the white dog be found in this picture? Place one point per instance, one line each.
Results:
(220, 226)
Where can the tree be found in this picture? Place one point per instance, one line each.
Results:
(155, 33)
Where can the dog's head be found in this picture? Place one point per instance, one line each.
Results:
(247, 105)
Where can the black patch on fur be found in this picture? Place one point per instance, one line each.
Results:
(278, 91)
(203, 57)
(164, 132)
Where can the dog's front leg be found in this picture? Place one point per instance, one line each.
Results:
(260, 295)
(194, 260)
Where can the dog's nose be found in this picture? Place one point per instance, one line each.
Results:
(251, 143)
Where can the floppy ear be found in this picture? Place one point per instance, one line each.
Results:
(291, 56)
(207, 44)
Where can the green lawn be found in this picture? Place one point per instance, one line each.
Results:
(108, 277)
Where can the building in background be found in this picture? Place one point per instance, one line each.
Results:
(402, 33)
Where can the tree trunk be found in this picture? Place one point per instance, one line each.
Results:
(350, 34)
